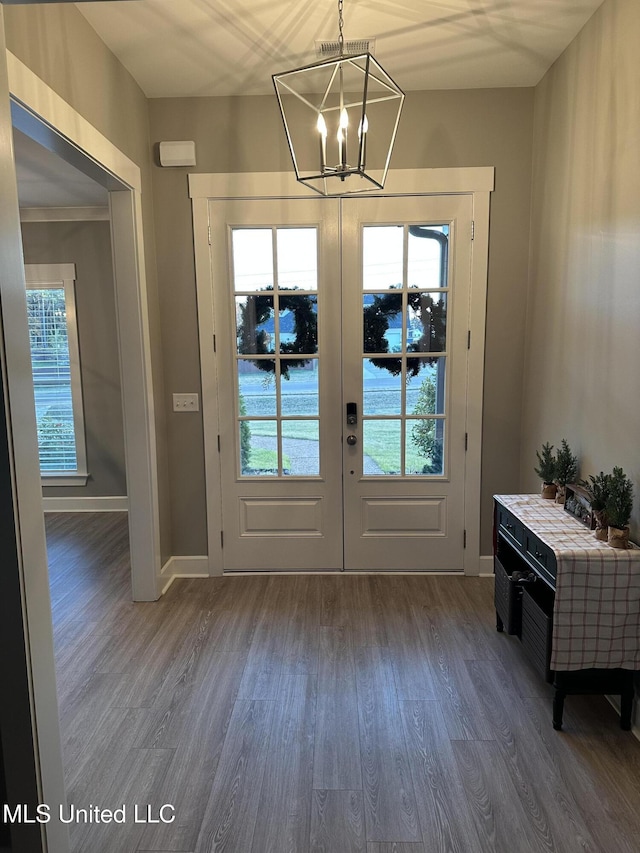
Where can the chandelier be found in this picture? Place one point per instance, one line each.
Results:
(340, 117)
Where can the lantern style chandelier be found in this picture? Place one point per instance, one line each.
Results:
(341, 117)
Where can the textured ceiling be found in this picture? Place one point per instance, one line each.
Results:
(178, 48)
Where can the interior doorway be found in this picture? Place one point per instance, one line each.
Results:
(65, 134)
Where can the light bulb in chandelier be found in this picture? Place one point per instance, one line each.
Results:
(321, 126)
(343, 126)
(363, 127)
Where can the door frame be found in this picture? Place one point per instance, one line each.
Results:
(30, 725)
(478, 182)
(44, 116)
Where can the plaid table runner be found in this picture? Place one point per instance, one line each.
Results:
(596, 616)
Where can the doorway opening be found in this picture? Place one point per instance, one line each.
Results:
(113, 187)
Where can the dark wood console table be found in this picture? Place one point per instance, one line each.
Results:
(573, 601)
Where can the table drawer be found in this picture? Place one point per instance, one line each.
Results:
(541, 557)
(510, 527)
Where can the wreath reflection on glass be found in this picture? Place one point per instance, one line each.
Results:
(432, 316)
(258, 310)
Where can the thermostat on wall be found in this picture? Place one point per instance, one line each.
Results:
(177, 153)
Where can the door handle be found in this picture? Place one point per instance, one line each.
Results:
(352, 414)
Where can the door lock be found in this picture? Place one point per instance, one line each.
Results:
(352, 439)
(352, 414)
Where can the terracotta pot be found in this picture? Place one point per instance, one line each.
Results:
(602, 528)
(549, 491)
(618, 537)
(560, 495)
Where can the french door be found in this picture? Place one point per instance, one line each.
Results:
(341, 341)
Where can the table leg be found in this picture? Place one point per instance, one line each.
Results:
(626, 703)
(558, 708)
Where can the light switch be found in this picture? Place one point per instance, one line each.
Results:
(186, 403)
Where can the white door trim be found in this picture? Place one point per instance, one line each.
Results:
(476, 181)
(209, 382)
(475, 380)
(67, 129)
(27, 88)
(15, 362)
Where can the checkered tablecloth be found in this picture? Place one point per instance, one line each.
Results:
(596, 616)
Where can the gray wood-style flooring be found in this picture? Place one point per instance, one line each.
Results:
(319, 714)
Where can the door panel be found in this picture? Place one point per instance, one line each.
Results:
(406, 280)
(277, 308)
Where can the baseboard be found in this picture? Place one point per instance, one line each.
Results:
(198, 567)
(109, 503)
(183, 567)
(486, 566)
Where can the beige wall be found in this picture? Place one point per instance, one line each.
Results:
(58, 45)
(582, 376)
(88, 246)
(438, 129)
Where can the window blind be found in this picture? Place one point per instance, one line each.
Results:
(50, 363)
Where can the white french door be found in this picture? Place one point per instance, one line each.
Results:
(406, 278)
(341, 330)
(276, 278)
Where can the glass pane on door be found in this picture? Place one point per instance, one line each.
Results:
(405, 349)
(275, 282)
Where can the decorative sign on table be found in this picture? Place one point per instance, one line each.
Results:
(578, 504)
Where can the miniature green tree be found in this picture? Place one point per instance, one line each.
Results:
(620, 501)
(598, 487)
(566, 465)
(546, 469)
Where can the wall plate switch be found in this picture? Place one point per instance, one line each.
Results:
(186, 403)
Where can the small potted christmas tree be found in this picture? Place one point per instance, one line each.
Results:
(619, 507)
(546, 470)
(566, 469)
(598, 487)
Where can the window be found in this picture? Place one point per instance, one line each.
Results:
(275, 283)
(55, 364)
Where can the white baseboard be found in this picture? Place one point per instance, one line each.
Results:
(198, 567)
(486, 566)
(110, 503)
(183, 567)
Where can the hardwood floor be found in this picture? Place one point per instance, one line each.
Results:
(319, 714)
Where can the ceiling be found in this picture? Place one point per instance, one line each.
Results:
(45, 180)
(190, 48)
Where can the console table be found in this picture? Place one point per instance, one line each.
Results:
(573, 601)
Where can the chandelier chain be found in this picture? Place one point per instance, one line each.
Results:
(341, 25)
